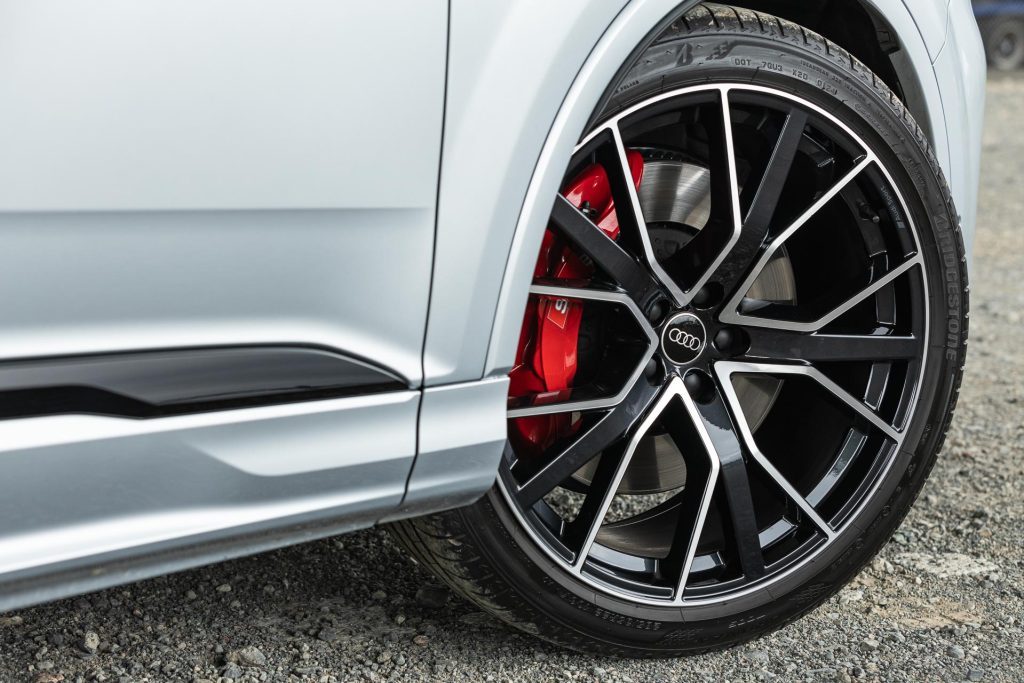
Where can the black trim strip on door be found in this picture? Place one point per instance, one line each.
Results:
(147, 384)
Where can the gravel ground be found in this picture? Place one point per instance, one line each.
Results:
(942, 603)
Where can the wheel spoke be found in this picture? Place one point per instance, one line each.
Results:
(622, 268)
(812, 348)
(612, 156)
(766, 198)
(725, 380)
(728, 449)
(727, 369)
(694, 264)
(687, 431)
(579, 534)
(730, 312)
(853, 300)
(586, 294)
(632, 225)
(627, 207)
(858, 297)
(597, 508)
(725, 191)
(609, 428)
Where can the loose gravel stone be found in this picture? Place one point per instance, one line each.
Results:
(328, 635)
(332, 611)
(90, 641)
(247, 656)
(432, 596)
(231, 671)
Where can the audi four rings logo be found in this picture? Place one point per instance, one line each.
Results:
(684, 339)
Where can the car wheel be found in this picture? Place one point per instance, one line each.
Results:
(740, 356)
(1004, 43)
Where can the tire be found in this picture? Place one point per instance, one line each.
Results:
(486, 551)
(1004, 42)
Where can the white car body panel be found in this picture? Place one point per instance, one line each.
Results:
(963, 103)
(197, 170)
(218, 104)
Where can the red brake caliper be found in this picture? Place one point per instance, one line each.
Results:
(546, 359)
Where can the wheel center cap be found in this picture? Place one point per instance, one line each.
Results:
(683, 338)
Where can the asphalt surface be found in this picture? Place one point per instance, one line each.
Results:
(943, 602)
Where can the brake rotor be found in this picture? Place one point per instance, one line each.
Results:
(675, 197)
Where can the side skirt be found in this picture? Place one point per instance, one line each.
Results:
(92, 501)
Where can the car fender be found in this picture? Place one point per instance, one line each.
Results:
(523, 80)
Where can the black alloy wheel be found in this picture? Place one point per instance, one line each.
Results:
(774, 341)
(844, 355)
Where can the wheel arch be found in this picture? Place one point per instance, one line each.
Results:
(537, 73)
(637, 22)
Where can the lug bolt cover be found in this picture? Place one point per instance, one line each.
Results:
(656, 312)
(694, 383)
(702, 297)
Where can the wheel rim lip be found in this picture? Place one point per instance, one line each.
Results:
(882, 478)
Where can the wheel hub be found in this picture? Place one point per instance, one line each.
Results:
(683, 338)
(675, 196)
